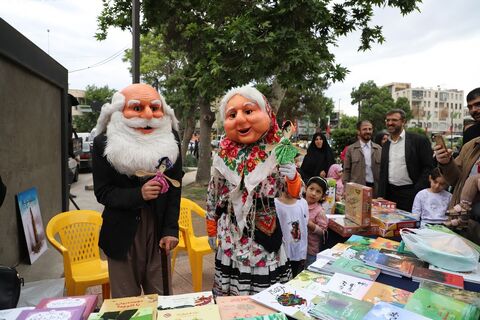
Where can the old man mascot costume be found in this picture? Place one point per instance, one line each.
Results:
(241, 216)
(137, 135)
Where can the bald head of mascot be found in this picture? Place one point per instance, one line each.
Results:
(138, 125)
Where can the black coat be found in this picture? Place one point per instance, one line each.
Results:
(122, 197)
(419, 160)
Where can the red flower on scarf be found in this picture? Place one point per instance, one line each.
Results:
(251, 164)
(261, 263)
(244, 240)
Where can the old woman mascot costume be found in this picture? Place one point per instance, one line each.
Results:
(241, 216)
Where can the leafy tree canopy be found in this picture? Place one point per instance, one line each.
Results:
(93, 95)
(374, 102)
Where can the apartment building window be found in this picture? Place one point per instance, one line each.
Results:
(436, 104)
(428, 103)
(436, 94)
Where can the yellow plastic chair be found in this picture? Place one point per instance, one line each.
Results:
(78, 231)
(196, 247)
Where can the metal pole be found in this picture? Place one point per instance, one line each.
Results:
(136, 41)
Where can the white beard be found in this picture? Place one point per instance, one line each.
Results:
(129, 150)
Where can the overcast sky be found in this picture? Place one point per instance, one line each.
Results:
(438, 46)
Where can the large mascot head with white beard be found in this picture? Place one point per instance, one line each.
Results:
(138, 125)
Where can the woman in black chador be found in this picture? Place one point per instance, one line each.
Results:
(318, 159)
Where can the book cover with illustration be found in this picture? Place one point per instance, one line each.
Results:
(234, 307)
(358, 203)
(329, 202)
(185, 300)
(466, 296)
(117, 305)
(272, 316)
(388, 263)
(473, 276)
(382, 243)
(349, 286)
(359, 243)
(386, 311)
(89, 302)
(383, 292)
(414, 260)
(312, 281)
(321, 266)
(339, 307)
(446, 278)
(355, 268)
(207, 312)
(438, 306)
(334, 252)
(294, 302)
(142, 313)
(73, 313)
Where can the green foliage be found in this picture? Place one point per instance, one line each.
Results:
(342, 138)
(93, 94)
(85, 122)
(190, 161)
(348, 122)
(420, 131)
(374, 102)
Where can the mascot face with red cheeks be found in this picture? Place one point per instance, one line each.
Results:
(245, 121)
(143, 102)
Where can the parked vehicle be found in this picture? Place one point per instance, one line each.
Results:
(86, 154)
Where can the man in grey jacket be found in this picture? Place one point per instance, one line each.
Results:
(362, 160)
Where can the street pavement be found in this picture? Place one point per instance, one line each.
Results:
(50, 264)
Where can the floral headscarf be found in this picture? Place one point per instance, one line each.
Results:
(242, 158)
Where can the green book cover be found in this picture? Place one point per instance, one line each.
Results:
(355, 268)
(338, 306)
(439, 307)
(359, 243)
(273, 316)
(466, 296)
(309, 280)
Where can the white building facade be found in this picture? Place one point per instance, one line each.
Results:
(435, 110)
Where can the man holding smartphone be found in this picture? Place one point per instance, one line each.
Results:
(406, 162)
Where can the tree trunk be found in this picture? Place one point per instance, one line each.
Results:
(207, 117)
(189, 128)
(278, 93)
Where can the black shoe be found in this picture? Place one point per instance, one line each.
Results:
(72, 196)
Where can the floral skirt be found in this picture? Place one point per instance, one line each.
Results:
(235, 279)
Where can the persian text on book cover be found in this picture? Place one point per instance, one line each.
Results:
(31, 216)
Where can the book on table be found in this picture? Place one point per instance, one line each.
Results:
(272, 316)
(383, 292)
(185, 300)
(292, 301)
(311, 281)
(321, 266)
(349, 286)
(388, 263)
(387, 311)
(473, 276)
(88, 301)
(339, 307)
(438, 306)
(234, 307)
(359, 243)
(414, 260)
(382, 243)
(355, 268)
(205, 312)
(446, 278)
(72, 313)
(141, 307)
(466, 296)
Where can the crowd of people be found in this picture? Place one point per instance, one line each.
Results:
(265, 218)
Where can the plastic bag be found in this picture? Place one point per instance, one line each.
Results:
(447, 251)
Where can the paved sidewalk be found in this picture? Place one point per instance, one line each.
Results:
(50, 264)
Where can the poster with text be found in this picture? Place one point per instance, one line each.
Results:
(32, 223)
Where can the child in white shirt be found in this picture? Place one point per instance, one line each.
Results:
(293, 217)
(431, 204)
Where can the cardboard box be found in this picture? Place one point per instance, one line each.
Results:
(346, 228)
(382, 205)
(394, 221)
(388, 233)
(358, 203)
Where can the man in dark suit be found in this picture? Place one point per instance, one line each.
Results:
(135, 132)
(407, 160)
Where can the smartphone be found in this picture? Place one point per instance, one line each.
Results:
(439, 140)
